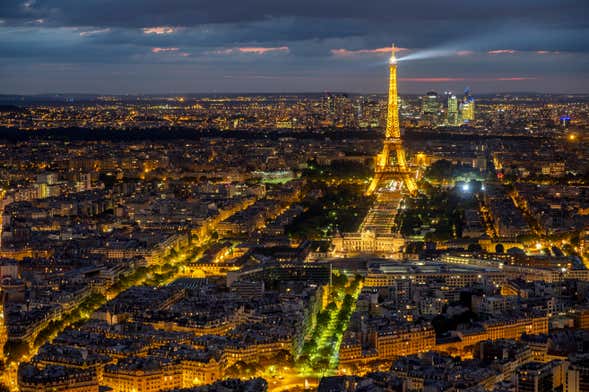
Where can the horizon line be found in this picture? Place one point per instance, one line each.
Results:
(134, 94)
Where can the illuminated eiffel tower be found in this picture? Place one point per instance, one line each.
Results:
(391, 171)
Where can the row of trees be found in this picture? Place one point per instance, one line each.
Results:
(444, 170)
(319, 352)
(341, 208)
(344, 170)
(437, 209)
(342, 205)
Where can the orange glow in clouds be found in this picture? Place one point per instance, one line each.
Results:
(502, 51)
(159, 30)
(347, 52)
(164, 50)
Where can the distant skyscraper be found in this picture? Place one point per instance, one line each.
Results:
(452, 114)
(468, 111)
(430, 108)
(328, 104)
(338, 109)
(467, 106)
(430, 104)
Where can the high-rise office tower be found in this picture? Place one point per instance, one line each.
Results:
(430, 108)
(467, 106)
(452, 114)
(430, 103)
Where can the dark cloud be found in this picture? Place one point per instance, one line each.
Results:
(139, 13)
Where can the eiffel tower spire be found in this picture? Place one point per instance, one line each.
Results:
(391, 167)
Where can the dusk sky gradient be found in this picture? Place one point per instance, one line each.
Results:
(184, 46)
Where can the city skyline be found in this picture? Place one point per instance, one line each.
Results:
(182, 47)
(226, 197)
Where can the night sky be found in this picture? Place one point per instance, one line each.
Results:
(183, 46)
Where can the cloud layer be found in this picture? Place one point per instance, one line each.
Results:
(150, 46)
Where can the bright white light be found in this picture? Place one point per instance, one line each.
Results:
(465, 187)
(428, 54)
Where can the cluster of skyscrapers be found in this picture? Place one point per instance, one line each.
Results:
(456, 111)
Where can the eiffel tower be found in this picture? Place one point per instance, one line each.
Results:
(391, 172)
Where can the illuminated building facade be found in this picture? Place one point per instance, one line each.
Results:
(374, 235)
(404, 341)
(535, 377)
(467, 107)
(468, 111)
(391, 166)
(509, 328)
(452, 114)
(363, 242)
(147, 378)
(390, 343)
(56, 378)
(430, 109)
(429, 103)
